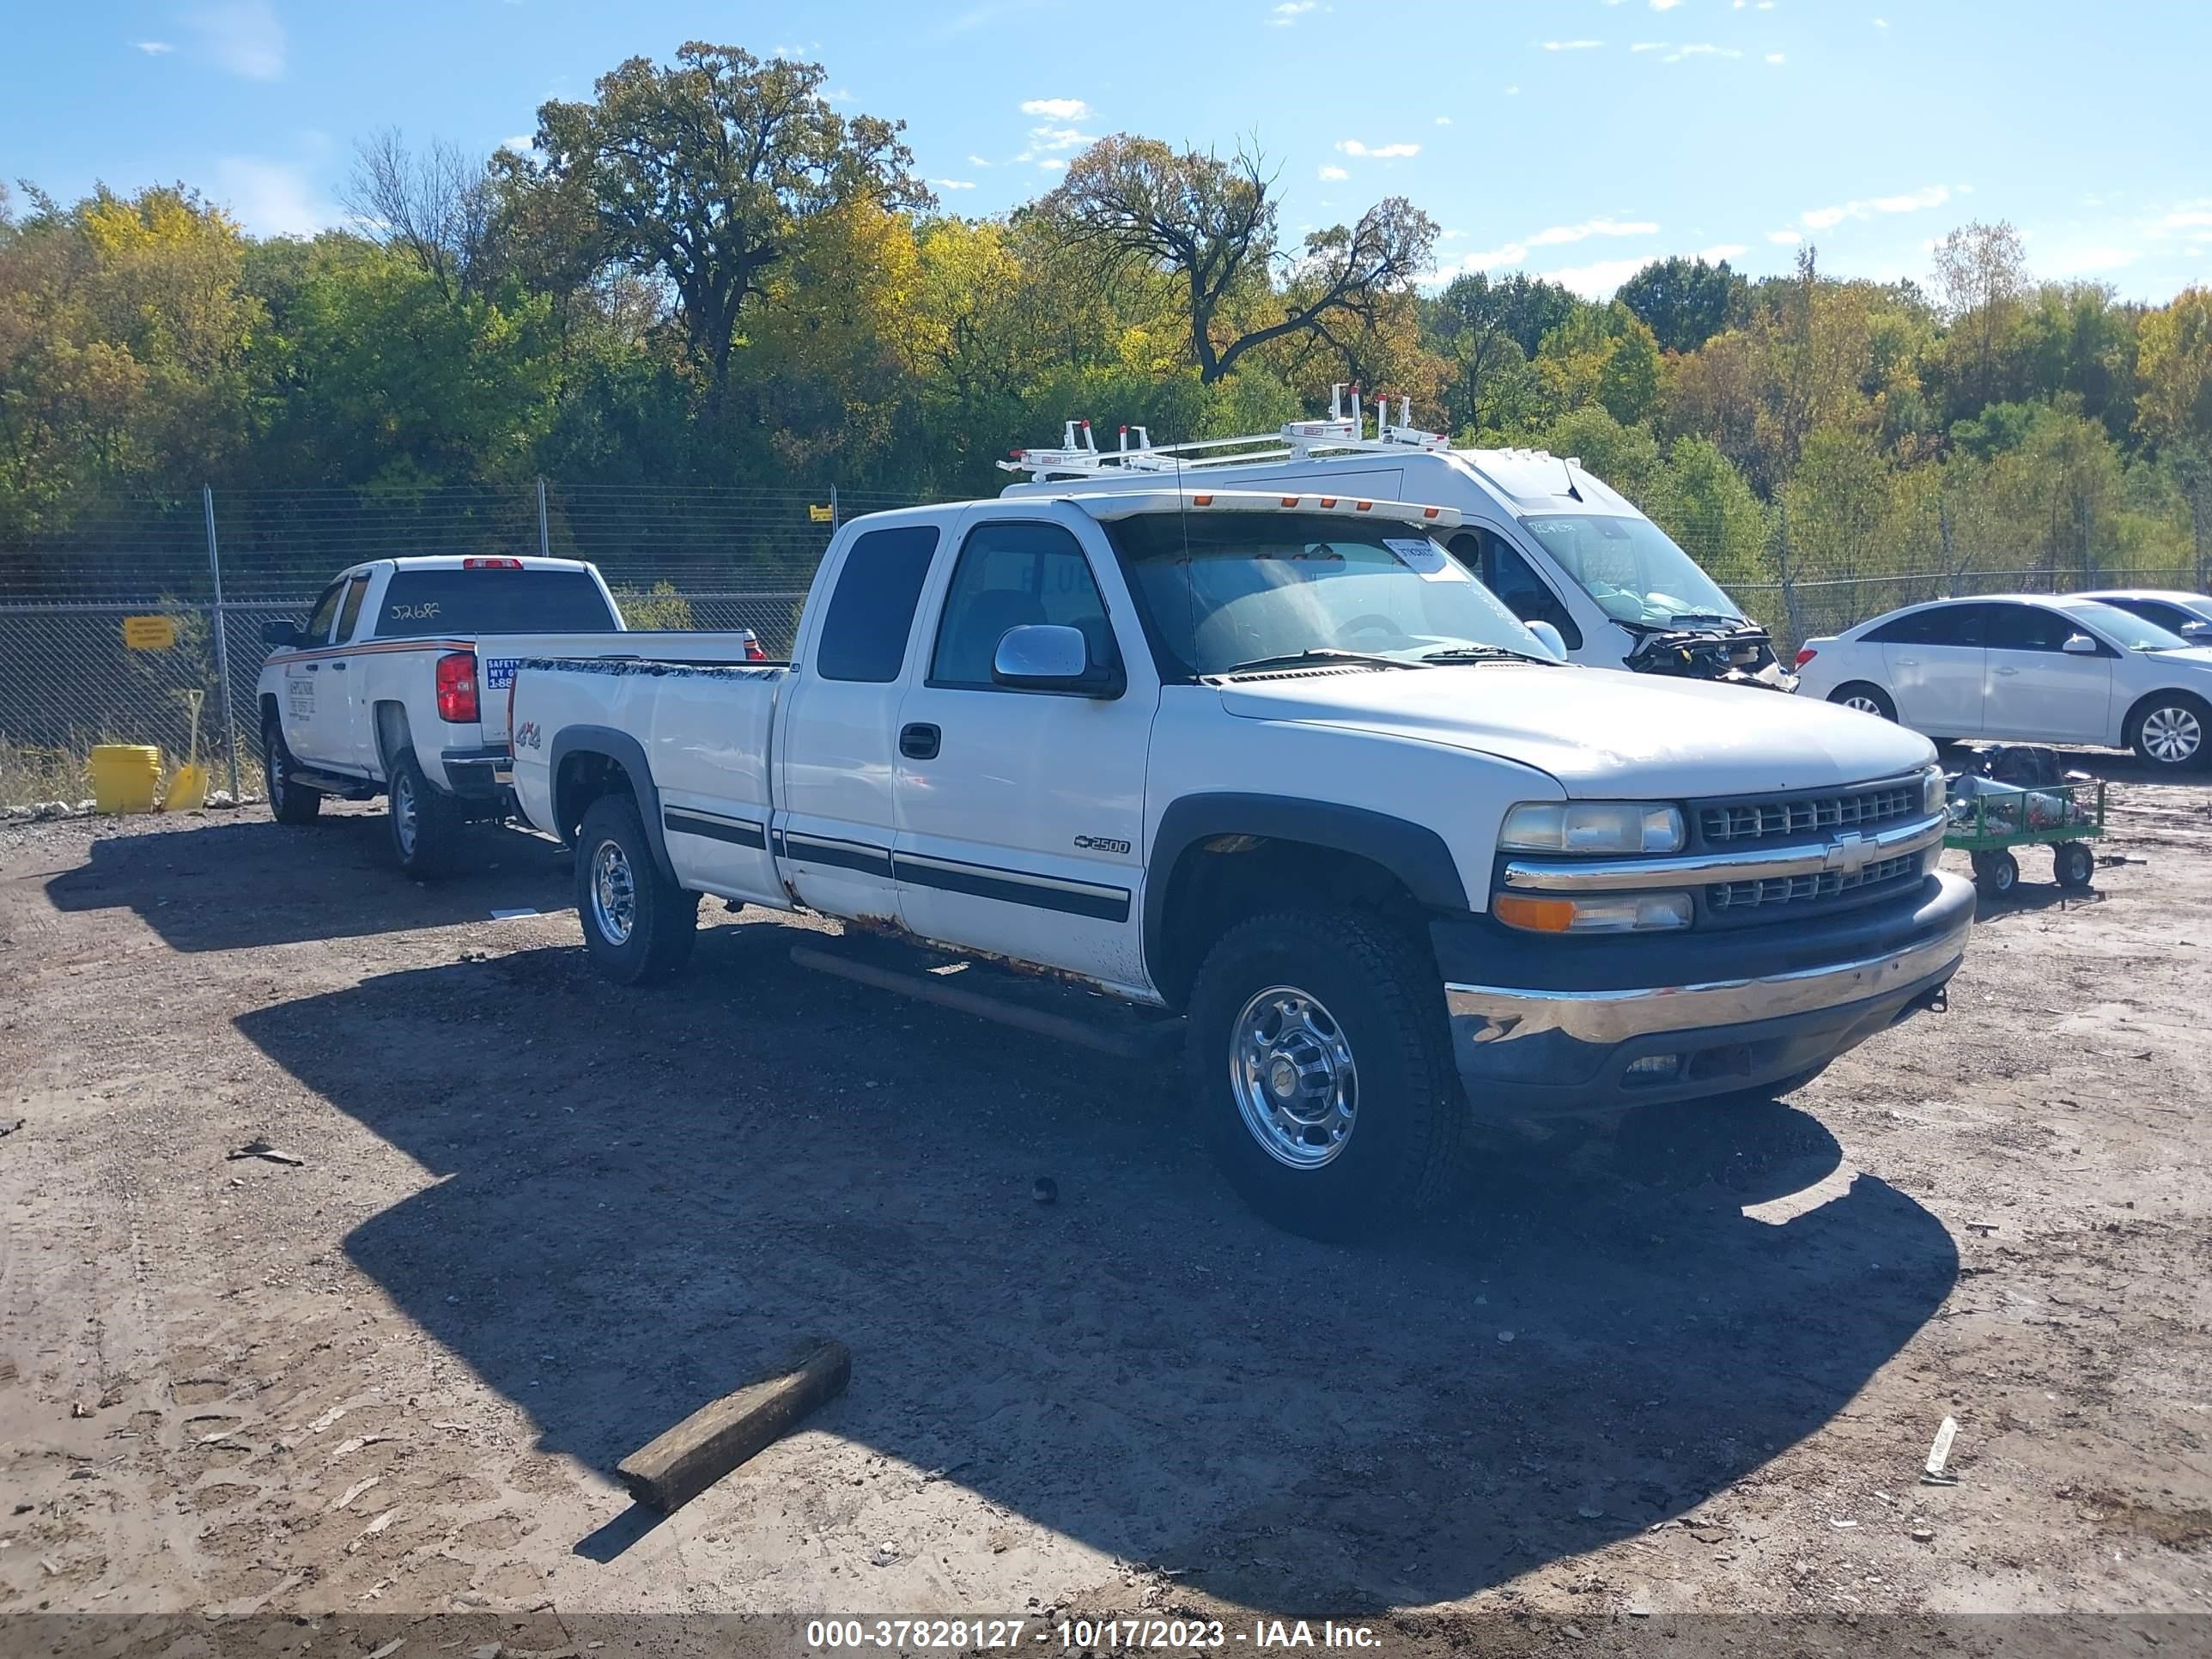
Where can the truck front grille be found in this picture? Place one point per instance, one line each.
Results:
(1735, 897)
(1747, 822)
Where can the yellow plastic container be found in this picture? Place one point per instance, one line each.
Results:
(126, 777)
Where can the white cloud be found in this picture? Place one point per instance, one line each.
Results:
(1594, 281)
(1553, 235)
(954, 184)
(1572, 45)
(2086, 261)
(1052, 164)
(242, 36)
(1776, 58)
(1881, 22)
(1443, 120)
(1649, 45)
(1785, 237)
(270, 198)
(522, 143)
(1512, 92)
(1289, 11)
(1822, 218)
(1334, 174)
(839, 95)
(1057, 109)
(978, 161)
(1378, 152)
(1048, 141)
(1720, 250)
(2192, 218)
(1665, 5)
(153, 48)
(1702, 49)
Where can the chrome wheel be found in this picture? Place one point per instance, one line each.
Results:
(1864, 704)
(1296, 1083)
(2173, 735)
(614, 893)
(403, 814)
(273, 765)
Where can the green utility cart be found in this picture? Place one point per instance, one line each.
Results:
(2001, 821)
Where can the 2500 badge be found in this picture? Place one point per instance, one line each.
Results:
(1100, 844)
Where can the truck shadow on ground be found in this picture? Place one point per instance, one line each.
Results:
(646, 1191)
(183, 884)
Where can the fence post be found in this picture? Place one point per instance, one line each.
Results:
(222, 641)
(834, 519)
(544, 546)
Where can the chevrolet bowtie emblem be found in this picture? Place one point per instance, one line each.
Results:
(1847, 854)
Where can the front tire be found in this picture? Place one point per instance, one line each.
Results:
(1866, 697)
(1321, 1072)
(2074, 863)
(288, 802)
(425, 823)
(638, 925)
(2169, 732)
(1997, 873)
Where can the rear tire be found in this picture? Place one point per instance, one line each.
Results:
(2074, 862)
(425, 823)
(1997, 873)
(638, 925)
(1321, 1069)
(1866, 697)
(2168, 732)
(288, 802)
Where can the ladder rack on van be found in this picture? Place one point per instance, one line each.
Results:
(1296, 440)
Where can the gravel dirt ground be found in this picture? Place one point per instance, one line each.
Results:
(1690, 1364)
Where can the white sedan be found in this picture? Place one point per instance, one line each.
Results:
(2188, 614)
(2025, 668)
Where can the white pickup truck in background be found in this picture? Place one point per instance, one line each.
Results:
(396, 685)
(1279, 773)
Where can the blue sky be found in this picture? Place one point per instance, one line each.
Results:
(1575, 138)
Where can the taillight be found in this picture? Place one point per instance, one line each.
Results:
(753, 652)
(456, 686)
(1805, 654)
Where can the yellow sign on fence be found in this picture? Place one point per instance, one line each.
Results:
(821, 514)
(150, 633)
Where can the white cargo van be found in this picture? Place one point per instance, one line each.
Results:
(1557, 545)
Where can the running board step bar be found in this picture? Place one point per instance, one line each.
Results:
(1014, 999)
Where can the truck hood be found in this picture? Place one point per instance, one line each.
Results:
(1604, 735)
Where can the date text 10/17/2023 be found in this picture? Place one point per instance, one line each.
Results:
(1080, 1635)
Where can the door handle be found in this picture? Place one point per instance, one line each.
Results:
(313, 667)
(920, 741)
(2004, 670)
(337, 668)
(1908, 662)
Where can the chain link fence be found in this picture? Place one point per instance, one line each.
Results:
(81, 664)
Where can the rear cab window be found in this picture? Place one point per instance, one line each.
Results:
(422, 604)
(1942, 624)
(871, 614)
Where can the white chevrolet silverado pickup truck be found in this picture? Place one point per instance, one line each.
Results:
(1280, 771)
(396, 685)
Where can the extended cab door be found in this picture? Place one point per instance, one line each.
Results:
(348, 705)
(1021, 812)
(837, 749)
(310, 687)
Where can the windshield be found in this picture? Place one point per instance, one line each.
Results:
(1221, 591)
(421, 603)
(2126, 629)
(1634, 571)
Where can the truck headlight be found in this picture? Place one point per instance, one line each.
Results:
(1598, 913)
(1935, 792)
(1592, 826)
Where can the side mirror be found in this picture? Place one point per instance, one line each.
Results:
(1047, 657)
(1550, 637)
(281, 633)
(2194, 630)
(2079, 645)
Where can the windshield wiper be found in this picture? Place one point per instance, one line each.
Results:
(1324, 653)
(1482, 654)
(1710, 616)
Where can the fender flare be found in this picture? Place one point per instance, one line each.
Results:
(1413, 852)
(628, 753)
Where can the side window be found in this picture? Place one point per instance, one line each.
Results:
(349, 613)
(318, 630)
(1014, 576)
(872, 611)
(1501, 569)
(1940, 624)
(2029, 628)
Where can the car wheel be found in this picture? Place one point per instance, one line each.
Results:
(288, 802)
(1868, 699)
(638, 925)
(2170, 732)
(424, 823)
(1997, 873)
(1321, 1070)
(2074, 862)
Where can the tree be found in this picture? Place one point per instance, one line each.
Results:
(1685, 302)
(1212, 224)
(1982, 271)
(1701, 500)
(438, 205)
(711, 172)
(2174, 408)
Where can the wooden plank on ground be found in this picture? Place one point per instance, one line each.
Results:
(677, 1466)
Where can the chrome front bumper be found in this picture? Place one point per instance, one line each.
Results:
(1522, 1051)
